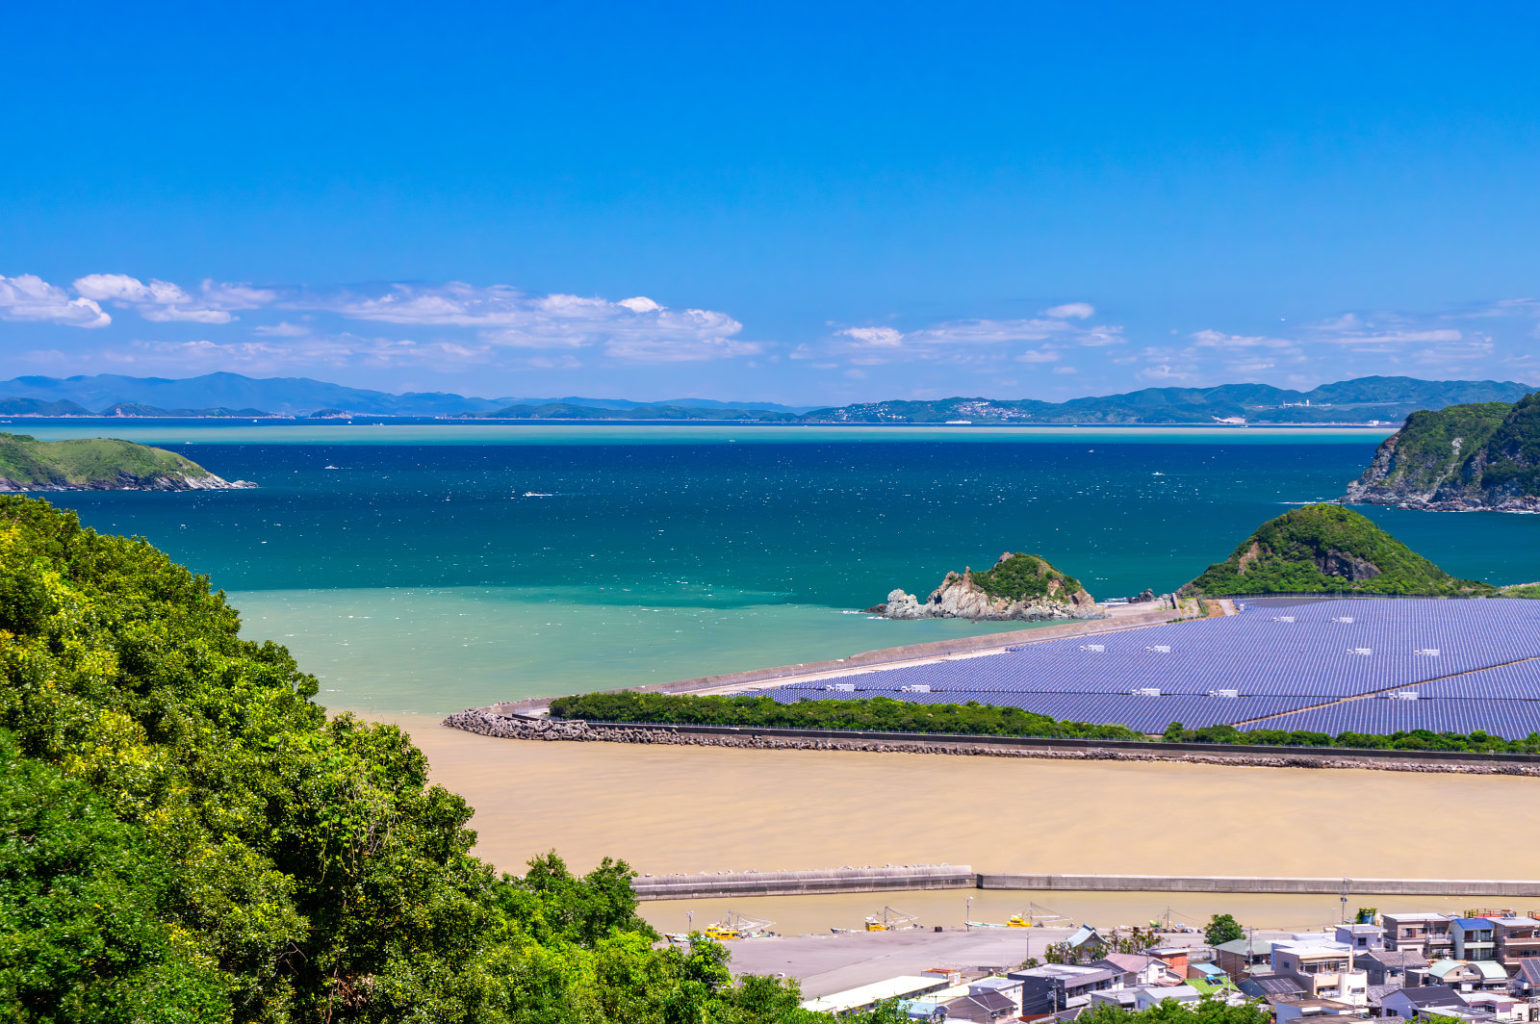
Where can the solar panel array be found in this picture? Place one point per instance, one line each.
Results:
(1289, 658)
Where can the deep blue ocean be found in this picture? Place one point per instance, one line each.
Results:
(432, 568)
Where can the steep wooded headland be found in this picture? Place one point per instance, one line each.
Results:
(1462, 458)
(100, 464)
(1018, 587)
(185, 836)
(1327, 549)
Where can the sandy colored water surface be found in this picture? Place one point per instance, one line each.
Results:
(677, 808)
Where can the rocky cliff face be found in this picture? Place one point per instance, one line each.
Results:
(126, 481)
(1463, 458)
(1028, 590)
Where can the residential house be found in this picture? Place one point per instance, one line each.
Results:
(1500, 1005)
(1361, 937)
(1209, 973)
(1139, 969)
(1423, 1001)
(1148, 997)
(1239, 957)
(982, 1007)
(1086, 939)
(1389, 966)
(1324, 969)
(1428, 934)
(1526, 981)
(1518, 939)
(1287, 1009)
(1475, 938)
(1266, 985)
(1054, 987)
(1174, 957)
(923, 1010)
(1460, 975)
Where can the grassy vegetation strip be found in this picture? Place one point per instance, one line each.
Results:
(876, 714)
(882, 714)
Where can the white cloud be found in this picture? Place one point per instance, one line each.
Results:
(1038, 355)
(881, 337)
(282, 329)
(1071, 310)
(29, 297)
(164, 302)
(636, 330)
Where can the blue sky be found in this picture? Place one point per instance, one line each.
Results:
(807, 203)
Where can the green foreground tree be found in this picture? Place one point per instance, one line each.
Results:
(185, 836)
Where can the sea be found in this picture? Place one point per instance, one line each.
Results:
(421, 568)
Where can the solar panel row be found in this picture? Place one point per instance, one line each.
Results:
(1281, 656)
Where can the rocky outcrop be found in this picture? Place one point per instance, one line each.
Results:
(1022, 588)
(125, 481)
(1463, 458)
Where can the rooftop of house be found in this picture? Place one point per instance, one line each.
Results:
(1360, 929)
(1516, 922)
(1473, 923)
(1158, 993)
(1313, 950)
(1247, 946)
(1262, 985)
(1433, 995)
(1490, 970)
(1411, 918)
(1312, 1004)
(1442, 968)
(981, 1006)
(1399, 959)
(1076, 973)
(1529, 970)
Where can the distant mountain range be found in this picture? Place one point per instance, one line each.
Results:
(1362, 400)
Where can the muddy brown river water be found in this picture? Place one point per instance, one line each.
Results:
(681, 808)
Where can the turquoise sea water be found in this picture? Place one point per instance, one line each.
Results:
(429, 567)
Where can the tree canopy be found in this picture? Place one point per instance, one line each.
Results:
(186, 836)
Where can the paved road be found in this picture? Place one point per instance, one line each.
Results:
(833, 963)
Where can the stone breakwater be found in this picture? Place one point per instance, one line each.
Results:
(487, 723)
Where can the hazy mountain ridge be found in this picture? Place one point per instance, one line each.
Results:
(1360, 400)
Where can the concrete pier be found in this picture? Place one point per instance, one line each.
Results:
(1199, 883)
(804, 883)
(712, 885)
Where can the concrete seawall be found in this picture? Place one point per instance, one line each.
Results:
(804, 883)
(713, 885)
(1290, 886)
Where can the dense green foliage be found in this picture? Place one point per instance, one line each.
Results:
(184, 836)
(883, 714)
(1205, 1011)
(1508, 464)
(1320, 549)
(1023, 577)
(26, 461)
(1415, 739)
(878, 714)
(1423, 453)
(1222, 928)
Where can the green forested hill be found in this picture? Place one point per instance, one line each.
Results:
(184, 836)
(1466, 457)
(96, 463)
(1327, 549)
